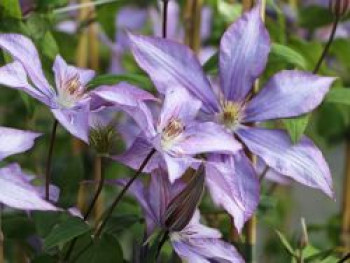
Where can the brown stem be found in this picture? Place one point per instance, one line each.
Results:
(101, 179)
(165, 18)
(122, 193)
(49, 161)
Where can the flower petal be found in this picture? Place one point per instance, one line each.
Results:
(14, 76)
(17, 192)
(244, 50)
(178, 104)
(288, 94)
(75, 122)
(302, 162)
(121, 94)
(205, 137)
(13, 141)
(177, 166)
(206, 251)
(23, 50)
(170, 64)
(64, 73)
(233, 184)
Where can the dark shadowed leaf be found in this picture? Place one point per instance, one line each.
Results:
(339, 95)
(65, 232)
(106, 249)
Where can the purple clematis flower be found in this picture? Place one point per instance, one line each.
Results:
(70, 103)
(194, 243)
(15, 188)
(244, 50)
(176, 135)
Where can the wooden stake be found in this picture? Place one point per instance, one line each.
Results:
(192, 17)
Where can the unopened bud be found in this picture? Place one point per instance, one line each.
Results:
(339, 7)
(103, 138)
(183, 206)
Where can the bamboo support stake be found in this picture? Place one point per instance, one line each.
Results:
(81, 61)
(345, 234)
(251, 226)
(192, 17)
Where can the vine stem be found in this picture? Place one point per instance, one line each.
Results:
(99, 170)
(123, 192)
(162, 242)
(49, 160)
(165, 18)
(328, 45)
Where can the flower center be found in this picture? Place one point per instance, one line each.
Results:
(171, 132)
(230, 116)
(70, 92)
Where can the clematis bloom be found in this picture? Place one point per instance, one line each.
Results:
(15, 188)
(69, 103)
(243, 54)
(176, 134)
(195, 242)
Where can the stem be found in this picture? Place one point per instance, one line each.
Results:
(162, 242)
(165, 18)
(328, 45)
(345, 231)
(49, 161)
(122, 193)
(101, 178)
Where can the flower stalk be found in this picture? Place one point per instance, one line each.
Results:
(122, 193)
(165, 18)
(345, 230)
(49, 160)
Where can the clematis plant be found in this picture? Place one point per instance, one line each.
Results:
(69, 102)
(243, 54)
(193, 242)
(16, 190)
(176, 135)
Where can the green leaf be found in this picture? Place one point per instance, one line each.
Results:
(109, 79)
(286, 243)
(11, 8)
(211, 66)
(296, 127)
(315, 255)
(65, 232)
(282, 53)
(121, 223)
(105, 249)
(338, 95)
